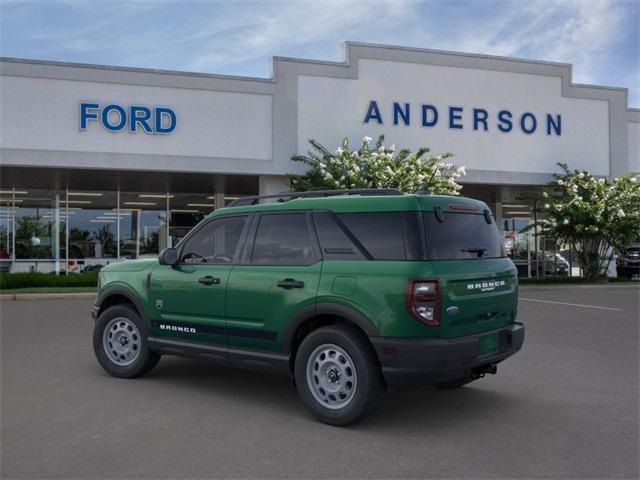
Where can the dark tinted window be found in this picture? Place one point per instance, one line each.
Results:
(380, 233)
(460, 236)
(335, 241)
(216, 242)
(283, 239)
(413, 236)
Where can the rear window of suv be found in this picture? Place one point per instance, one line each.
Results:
(369, 236)
(380, 233)
(461, 236)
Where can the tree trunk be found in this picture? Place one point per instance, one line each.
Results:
(591, 258)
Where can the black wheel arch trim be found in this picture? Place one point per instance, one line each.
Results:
(336, 309)
(125, 292)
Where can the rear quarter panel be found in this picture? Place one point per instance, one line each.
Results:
(376, 289)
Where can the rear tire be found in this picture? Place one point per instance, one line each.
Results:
(337, 375)
(120, 343)
(460, 382)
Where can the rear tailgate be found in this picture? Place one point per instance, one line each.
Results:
(477, 295)
(478, 283)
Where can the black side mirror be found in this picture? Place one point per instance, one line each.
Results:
(168, 256)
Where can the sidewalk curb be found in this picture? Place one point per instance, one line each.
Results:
(608, 286)
(47, 296)
(85, 295)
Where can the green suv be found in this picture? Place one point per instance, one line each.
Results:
(349, 293)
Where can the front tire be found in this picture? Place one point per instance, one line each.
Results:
(337, 375)
(120, 343)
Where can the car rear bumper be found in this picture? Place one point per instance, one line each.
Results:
(628, 268)
(411, 363)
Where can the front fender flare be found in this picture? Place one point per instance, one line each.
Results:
(125, 292)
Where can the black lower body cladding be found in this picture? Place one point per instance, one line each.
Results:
(412, 363)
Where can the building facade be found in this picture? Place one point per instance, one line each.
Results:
(102, 163)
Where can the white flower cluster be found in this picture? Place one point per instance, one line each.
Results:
(594, 214)
(380, 167)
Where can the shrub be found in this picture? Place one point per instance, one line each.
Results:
(566, 280)
(28, 279)
(595, 215)
(377, 167)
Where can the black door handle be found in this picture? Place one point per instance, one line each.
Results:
(209, 280)
(290, 283)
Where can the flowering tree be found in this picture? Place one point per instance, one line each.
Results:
(596, 216)
(377, 167)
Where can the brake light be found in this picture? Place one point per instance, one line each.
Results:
(463, 207)
(423, 301)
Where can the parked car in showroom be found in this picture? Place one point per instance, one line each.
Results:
(628, 263)
(553, 265)
(5, 261)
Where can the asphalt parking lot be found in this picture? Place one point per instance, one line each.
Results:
(565, 407)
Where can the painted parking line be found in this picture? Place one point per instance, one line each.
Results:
(570, 304)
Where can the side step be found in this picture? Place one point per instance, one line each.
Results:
(263, 361)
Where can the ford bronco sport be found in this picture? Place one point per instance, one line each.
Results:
(349, 293)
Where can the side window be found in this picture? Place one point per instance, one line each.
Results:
(334, 241)
(413, 237)
(381, 233)
(283, 239)
(216, 242)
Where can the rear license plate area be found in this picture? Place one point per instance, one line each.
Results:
(488, 344)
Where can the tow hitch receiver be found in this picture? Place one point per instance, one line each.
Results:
(480, 372)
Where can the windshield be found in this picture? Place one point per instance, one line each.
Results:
(461, 236)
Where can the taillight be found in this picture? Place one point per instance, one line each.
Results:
(423, 301)
(463, 207)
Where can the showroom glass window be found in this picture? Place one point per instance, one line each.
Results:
(81, 229)
(6, 229)
(40, 219)
(144, 229)
(185, 211)
(92, 229)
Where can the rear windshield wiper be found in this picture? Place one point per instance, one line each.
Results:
(480, 251)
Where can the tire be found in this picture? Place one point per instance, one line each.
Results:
(454, 383)
(128, 353)
(340, 359)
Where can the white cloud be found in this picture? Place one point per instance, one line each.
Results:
(276, 27)
(570, 31)
(237, 37)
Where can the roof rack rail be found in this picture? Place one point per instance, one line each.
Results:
(286, 196)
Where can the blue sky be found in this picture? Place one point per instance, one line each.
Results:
(600, 38)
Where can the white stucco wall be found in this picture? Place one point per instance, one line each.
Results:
(241, 125)
(43, 114)
(633, 137)
(329, 108)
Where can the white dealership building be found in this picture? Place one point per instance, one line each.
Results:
(100, 163)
